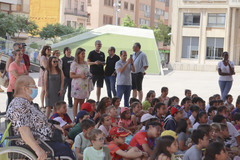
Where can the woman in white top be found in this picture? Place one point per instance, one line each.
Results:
(225, 71)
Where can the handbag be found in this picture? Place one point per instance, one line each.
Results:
(4, 81)
(57, 136)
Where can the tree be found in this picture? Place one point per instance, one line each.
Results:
(55, 30)
(7, 25)
(161, 33)
(128, 22)
(144, 26)
(25, 25)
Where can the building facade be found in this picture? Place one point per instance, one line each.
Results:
(142, 12)
(201, 31)
(75, 13)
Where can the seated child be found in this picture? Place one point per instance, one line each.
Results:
(228, 102)
(165, 148)
(149, 97)
(136, 112)
(170, 123)
(93, 114)
(112, 112)
(194, 112)
(164, 98)
(126, 120)
(145, 139)
(237, 109)
(105, 126)
(119, 149)
(160, 110)
(234, 140)
(61, 111)
(200, 140)
(210, 99)
(236, 119)
(202, 118)
(212, 111)
(77, 127)
(116, 103)
(199, 102)
(184, 136)
(216, 128)
(186, 103)
(188, 93)
(147, 118)
(216, 151)
(223, 110)
(154, 102)
(81, 141)
(97, 150)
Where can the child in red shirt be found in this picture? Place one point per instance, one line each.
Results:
(145, 140)
(119, 149)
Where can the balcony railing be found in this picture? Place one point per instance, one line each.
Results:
(75, 12)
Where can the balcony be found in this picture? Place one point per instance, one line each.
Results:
(75, 12)
(234, 3)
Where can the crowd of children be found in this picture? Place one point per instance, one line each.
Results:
(157, 129)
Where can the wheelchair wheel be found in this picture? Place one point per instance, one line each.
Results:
(16, 153)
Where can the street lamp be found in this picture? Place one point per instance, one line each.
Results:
(117, 5)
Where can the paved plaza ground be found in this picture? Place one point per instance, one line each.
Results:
(204, 84)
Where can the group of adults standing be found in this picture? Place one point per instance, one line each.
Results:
(76, 77)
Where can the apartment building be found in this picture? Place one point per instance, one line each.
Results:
(201, 31)
(75, 13)
(143, 12)
(5, 5)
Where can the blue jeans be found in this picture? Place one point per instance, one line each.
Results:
(110, 83)
(126, 90)
(225, 87)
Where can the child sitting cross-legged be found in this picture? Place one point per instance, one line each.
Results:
(97, 150)
(112, 112)
(120, 150)
(61, 108)
(145, 139)
(126, 120)
(82, 141)
(201, 140)
(105, 126)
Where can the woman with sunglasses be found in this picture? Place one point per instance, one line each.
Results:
(53, 79)
(45, 54)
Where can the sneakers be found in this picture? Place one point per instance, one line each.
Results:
(1, 90)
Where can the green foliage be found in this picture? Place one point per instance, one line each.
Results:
(128, 22)
(161, 33)
(144, 27)
(56, 30)
(7, 25)
(34, 45)
(11, 24)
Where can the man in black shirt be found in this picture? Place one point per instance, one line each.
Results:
(66, 63)
(110, 73)
(96, 60)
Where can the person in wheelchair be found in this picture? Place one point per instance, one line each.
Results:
(29, 122)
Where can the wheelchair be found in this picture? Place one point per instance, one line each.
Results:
(13, 152)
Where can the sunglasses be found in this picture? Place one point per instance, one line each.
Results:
(55, 61)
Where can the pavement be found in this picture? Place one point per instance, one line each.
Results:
(204, 84)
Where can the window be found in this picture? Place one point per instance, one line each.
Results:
(147, 11)
(166, 16)
(108, 2)
(132, 7)
(167, 3)
(89, 2)
(107, 19)
(89, 18)
(216, 20)
(214, 48)
(69, 4)
(125, 5)
(74, 24)
(191, 19)
(190, 47)
(158, 13)
(69, 23)
(75, 6)
(82, 6)
(144, 22)
(161, 0)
